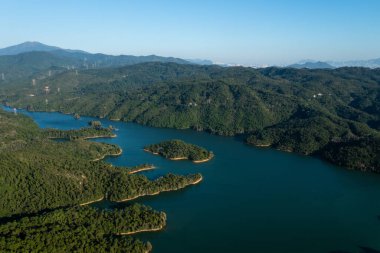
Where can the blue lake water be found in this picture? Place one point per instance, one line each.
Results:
(251, 199)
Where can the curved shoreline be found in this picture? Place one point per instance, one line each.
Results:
(182, 158)
(197, 181)
(88, 137)
(7, 105)
(157, 192)
(262, 145)
(99, 136)
(178, 158)
(204, 160)
(92, 201)
(142, 169)
(288, 150)
(154, 153)
(104, 156)
(141, 230)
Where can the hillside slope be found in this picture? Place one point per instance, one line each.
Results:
(297, 110)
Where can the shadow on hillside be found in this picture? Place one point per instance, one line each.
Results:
(17, 217)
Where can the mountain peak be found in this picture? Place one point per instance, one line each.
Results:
(32, 43)
(27, 46)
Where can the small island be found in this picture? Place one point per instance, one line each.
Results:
(180, 150)
(51, 185)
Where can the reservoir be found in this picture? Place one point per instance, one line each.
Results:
(251, 199)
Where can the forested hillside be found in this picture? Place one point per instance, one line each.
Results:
(39, 177)
(296, 110)
(81, 229)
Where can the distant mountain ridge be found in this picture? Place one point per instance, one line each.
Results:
(312, 65)
(27, 46)
(27, 64)
(372, 63)
(200, 61)
(29, 58)
(86, 59)
(97, 59)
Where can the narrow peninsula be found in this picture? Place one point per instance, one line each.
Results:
(53, 184)
(180, 150)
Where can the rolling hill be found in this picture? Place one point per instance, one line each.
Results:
(29, 58)
(299, 110)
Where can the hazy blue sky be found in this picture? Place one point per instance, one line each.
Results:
(245, 32)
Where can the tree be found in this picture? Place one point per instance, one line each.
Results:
(95, 124)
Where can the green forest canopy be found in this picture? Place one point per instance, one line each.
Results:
(44, 181)
(173, 149)
(296, 110)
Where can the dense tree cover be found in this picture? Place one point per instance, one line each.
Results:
(307, 131)
(37, 173)
(39, 177)
(362, 153)
(80, 229)
(173, 149)
(139, 185)
(292, 109)
(95, 124)
(83, 133)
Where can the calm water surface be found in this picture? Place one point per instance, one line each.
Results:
(251, 200)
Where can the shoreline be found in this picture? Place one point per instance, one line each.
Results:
(182, 158)
(157, 192)
(173, 158)
(88, 137)
(262, 145)
(154, 153)
(142, 169)
(204, 160)
(178, 158)
(197, 181)
(141, 231)
(104, 156)
(100, 136)
(92, 201)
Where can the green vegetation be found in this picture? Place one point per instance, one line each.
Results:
(141, 186)
(95, 124)
(28, 64)
(299, 110)
(83, 133)
(140, 167)
(39, 177)
(38, 64)
(362, 153)
(80, 229)
(177, 149)
(333, 114)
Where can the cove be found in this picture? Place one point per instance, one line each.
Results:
(251, 199)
